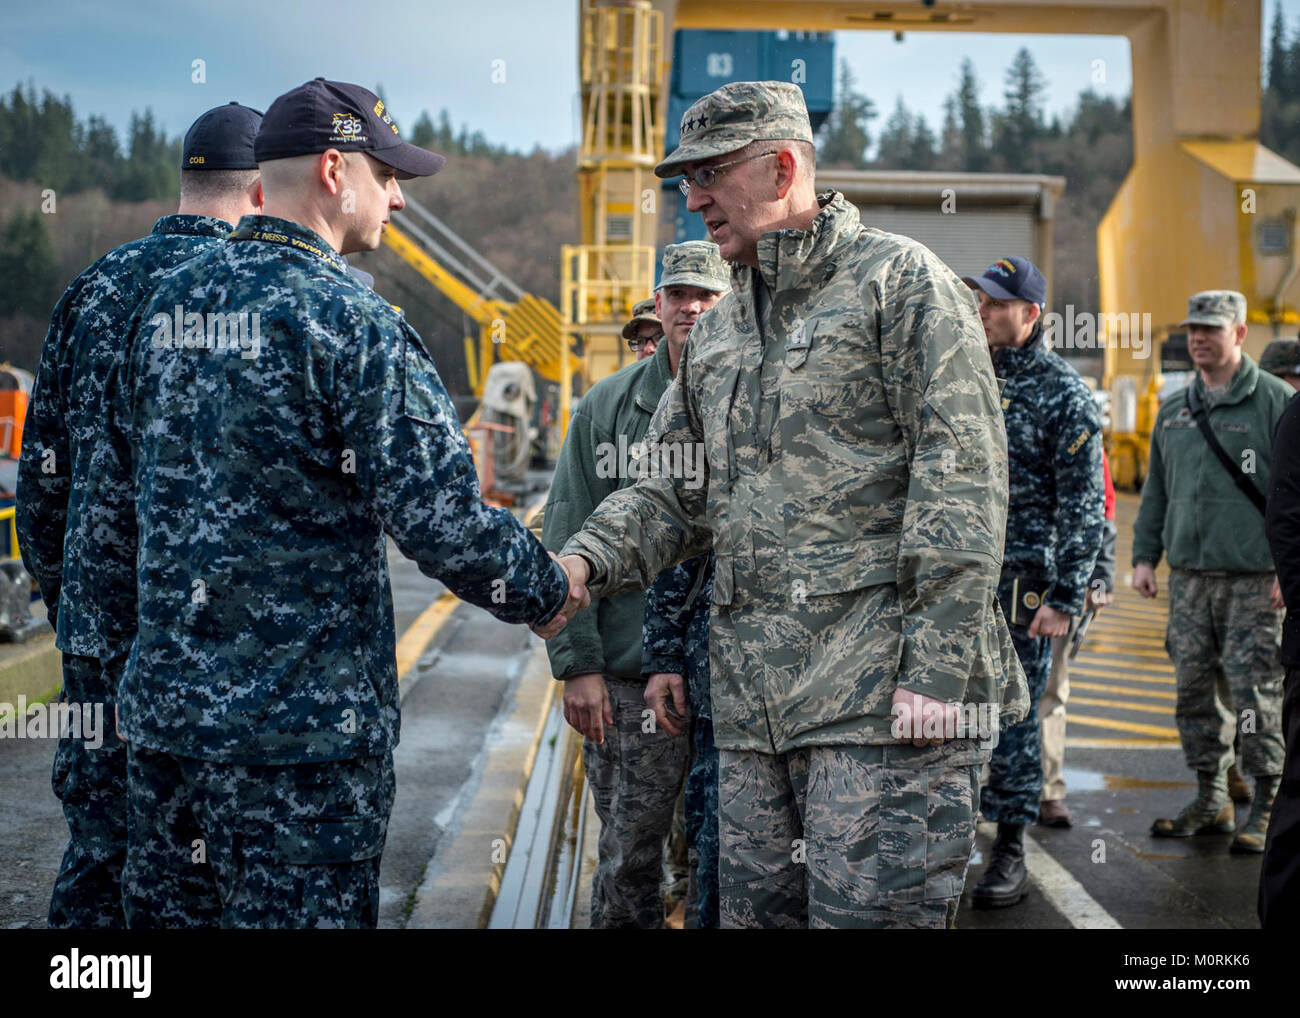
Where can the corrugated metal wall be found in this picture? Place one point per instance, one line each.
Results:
(969, 241)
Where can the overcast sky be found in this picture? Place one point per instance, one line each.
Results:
(124, 55)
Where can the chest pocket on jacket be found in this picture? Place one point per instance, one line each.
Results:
(832, 366)
(422, 396)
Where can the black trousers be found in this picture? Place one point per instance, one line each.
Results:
(1279, 878)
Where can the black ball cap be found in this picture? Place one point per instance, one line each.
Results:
(322, 114)
(222, 139)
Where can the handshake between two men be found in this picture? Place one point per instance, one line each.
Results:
(576, 568)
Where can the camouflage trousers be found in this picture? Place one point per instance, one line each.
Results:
(635, 777)
(295, 846)
(1223, 634)
(90, 783)
(846, 836)
(677, 859)
(1015, 782)
(702, 826)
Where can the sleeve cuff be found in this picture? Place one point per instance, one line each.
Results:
(1065, 599)
(596, 574)
(670, 664)
(564, 596)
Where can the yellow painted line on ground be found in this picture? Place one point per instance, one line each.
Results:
(421, 633)
(1101, 687)
(1130, 630)
(1134, 613)
(415, 641)
(1110, 650)
(1123, 726)
(1100, 743)
(1109, 673)
(1144, 708)
(1136, 619)
(1113, 663)
(1108, 647)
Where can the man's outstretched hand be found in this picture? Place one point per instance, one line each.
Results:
(575, 567)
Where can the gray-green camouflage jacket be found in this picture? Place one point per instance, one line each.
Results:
(856, 496)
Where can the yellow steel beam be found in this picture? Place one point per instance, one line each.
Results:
(482, 310)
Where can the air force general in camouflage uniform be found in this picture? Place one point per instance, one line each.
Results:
(856, 504)
(76, 522)
(261, 699)
(1054, 528)
(1224, 607)
(635, 770)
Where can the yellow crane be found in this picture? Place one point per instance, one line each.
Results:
(513, 325)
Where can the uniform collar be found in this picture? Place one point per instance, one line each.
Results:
(192, 226)
(792, 259)
(1010, 359)
(294, 236)
(655, 378)
(1242, 385)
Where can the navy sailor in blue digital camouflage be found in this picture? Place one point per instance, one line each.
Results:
(675, 653)
(283, 419)
(635, 768)
(76, 522)
(1054, 527)
(855, 501)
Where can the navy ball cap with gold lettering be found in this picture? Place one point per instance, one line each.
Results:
(222, 139)
(320, 115)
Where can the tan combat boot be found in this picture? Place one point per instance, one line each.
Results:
(1209, 813)
(1238, 787)
(1250, 839)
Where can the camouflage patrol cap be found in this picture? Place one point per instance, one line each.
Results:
(695, 263)
(1281, 357)
(642, 311)
(732, 116)
(1215, 307)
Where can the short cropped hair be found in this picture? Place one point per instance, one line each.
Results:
(209, 186)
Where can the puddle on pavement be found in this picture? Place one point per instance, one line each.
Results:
(1083, 781)
(1091, 781)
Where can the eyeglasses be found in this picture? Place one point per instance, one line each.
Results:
(706, 176)
(636, 342)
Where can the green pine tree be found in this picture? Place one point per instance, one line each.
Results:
(1020, 124)
(974, 145)
(27, 266)
(422, 134)
(895, 147)
(845, 138)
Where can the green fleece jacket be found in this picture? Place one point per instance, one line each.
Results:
(1191, 510)
(597, 460)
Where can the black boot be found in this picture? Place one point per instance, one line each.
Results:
(1005, 881)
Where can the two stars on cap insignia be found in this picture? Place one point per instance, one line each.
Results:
(693, 124)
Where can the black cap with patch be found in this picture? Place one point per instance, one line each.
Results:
(222, 139)
(322, 114)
